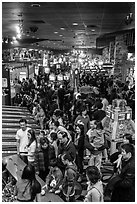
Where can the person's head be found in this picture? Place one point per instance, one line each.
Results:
(23, 124)
(53, 163)
(70, 127)
(55, 125)
(93, 174)
(92, 124)
(80, 129)
(31, 135)
(83, 110)
(127, 151)
(44, 142)
(102, 96)
(28, 172)
(53, 136)
(98, 125)
(98, 105)
(127, 138)
(42, 133)
(66, 159)
(56, 114)
(62, 137)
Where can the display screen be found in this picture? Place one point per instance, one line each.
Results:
(121, 117)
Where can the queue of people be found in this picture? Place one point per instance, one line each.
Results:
(71, 128)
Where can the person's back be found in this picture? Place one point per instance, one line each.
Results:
(98, 139)
(95, 193)
(23, 190)
(27, 188)
(95, 186)
(70, 177)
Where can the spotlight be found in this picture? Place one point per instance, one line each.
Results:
(14, 38)
(6, 41)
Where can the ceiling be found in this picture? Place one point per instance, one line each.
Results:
(50, 24)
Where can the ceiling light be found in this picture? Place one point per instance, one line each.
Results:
(75, 24)
(56, 32)
(62, 28)
(18, 29)
(93, 30)
(18, 35)
(60, 35)
(14, 38)
(35, 5)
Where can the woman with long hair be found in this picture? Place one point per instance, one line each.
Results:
(79, 144)
(27, 188)
(31, 147)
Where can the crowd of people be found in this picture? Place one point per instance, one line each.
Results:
(71, 129)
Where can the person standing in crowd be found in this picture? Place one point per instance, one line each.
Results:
(59, 128)
(79, 144)
(27, 188)
(60, 94)
(84, 118)
(124, 187)
(39, 117)
(44, 155)
(17, 86)
(98, 114)
(31, 147)
(96, 143)
(22, 139)
(54, 141)
(65, 146)
(57, 116)
(104, 101)
(95, 186)
(70, 177)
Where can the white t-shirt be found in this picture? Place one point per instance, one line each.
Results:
(23, 137)
(31, 151)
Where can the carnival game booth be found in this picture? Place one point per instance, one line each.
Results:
(118, 121)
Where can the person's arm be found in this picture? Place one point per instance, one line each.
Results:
(38, 197)
(88, 124)
(87, 144)
(18, 145)
(128, 178)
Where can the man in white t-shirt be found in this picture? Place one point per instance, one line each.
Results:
(22, 139)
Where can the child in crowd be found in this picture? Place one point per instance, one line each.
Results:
(54, 178)
(95, 186)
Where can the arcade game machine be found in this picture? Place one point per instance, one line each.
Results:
(118, 121)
